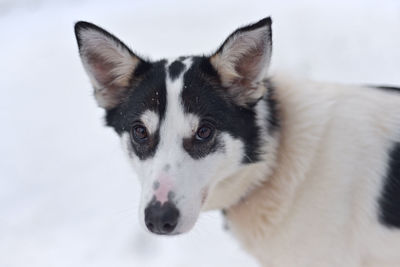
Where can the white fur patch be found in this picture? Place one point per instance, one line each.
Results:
(150, 120)
(320, 200)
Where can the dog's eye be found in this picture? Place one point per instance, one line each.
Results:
(204, 132)
(139, 133)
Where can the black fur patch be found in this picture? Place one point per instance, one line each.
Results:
(389, 201)
(147, 94)
(148, 148)
(385, 88)
(204, 96)
(273, 118)
(225, 220)
(175, 69)
(197, 149)
(389, 88)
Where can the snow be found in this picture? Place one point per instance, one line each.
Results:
(67, 194)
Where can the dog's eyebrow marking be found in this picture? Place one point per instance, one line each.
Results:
(150, 120)
(175, 69)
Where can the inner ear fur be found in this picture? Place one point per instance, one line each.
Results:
(109, 63)
(242, 61)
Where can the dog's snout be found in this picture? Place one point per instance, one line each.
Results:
(161, 219)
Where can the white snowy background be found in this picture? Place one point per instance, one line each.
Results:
(67, 194)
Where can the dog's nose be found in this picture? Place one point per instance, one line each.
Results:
(161, 219)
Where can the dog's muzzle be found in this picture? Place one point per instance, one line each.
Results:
(161, 219)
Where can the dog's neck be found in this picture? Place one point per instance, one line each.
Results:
(235, 188)
(304, 112)
(273, 181)
(265, 190)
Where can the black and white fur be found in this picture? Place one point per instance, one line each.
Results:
(308, 173)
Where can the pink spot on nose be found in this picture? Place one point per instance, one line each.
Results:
(162, 191)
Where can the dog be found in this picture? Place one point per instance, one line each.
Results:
(307, 173)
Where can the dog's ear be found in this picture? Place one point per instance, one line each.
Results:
(243, 60)
(109, 63)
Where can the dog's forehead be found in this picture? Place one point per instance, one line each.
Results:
(181, 81)
(177, 119)
(176, 67)
(170, 110)
(195, 82)
(178, 87)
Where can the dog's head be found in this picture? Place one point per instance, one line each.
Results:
(187, 124)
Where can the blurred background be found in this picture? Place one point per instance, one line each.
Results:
(67, 194)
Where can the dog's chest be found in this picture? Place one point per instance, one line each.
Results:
(306, 237)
